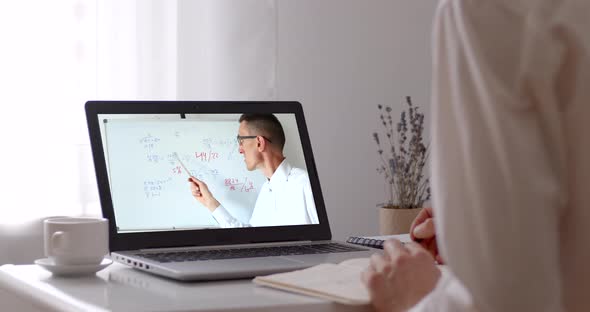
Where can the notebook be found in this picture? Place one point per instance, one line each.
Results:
(377, 241)
(260, 210)
(335, 282)
(365, 241)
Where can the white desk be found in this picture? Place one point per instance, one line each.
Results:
(120, 288)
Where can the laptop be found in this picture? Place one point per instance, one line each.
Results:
(144, 154)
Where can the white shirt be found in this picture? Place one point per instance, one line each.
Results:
(285, 199)
(511, 155)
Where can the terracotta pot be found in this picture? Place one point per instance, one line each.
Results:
(396, 221)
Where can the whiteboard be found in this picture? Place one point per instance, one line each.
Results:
(149, 188)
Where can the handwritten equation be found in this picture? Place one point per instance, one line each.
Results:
(153, 188)
(234, 184)
(201, 174)
(224, 142)
(149, 141)
(202, 163)
(207, 156)
(154, 158)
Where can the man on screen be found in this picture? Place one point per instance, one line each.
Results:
(285, 198)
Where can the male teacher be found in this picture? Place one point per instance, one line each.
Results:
(285, 198)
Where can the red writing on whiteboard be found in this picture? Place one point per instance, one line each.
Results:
(235, 184)
(207, 156)
(177, 170)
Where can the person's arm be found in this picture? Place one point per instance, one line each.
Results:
(225, 219)
(497, 189)
(200, 192)
(448, 295)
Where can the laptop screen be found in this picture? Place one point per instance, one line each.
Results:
(177, 169)
(150, 158)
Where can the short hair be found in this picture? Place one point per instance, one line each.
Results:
(266, 124)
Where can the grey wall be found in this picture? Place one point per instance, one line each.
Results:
(341, 58)
(21, 243)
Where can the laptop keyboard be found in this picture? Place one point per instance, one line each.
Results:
(252, 252)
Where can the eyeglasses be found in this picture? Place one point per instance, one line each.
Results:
(241, 138)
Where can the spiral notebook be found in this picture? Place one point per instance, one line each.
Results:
(336, 282)
(376, 241)
(365, 241)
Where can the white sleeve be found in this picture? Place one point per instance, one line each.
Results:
(225, 219)
(448, 295)
(310, 203)
(496, 178)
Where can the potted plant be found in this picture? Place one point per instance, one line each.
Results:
(403, 157)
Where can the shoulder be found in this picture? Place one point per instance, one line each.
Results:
(299, 176)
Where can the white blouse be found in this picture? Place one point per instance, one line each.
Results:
(285, 199)
(511, 155)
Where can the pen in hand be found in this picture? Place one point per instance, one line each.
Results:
(182, 164)
(197, 185)
(191, 179)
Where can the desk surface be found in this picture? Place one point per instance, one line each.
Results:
(120, 288)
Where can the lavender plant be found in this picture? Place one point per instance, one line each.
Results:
(402, 166)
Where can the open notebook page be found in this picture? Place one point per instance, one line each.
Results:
(337, 282)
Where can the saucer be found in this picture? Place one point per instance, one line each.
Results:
(72, 269)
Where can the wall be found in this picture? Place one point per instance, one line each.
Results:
(341, 58)
(21, 243)
(226, 49)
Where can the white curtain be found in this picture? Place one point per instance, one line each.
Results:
(227, 49)
(46, 74)
(56, 55)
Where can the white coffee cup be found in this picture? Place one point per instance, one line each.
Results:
(76, 241)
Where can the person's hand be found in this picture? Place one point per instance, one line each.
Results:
(201, 193)
(400, 277)
(422, 231)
